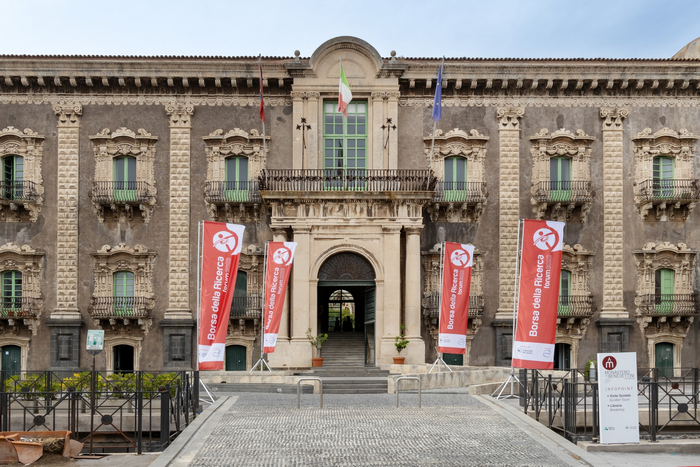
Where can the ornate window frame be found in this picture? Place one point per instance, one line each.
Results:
(219, 146)
(108, 260)
(681, 147)
(111, 342)
(30, 263)
(124, 142)
(561, 143)
(472, 147)
(30, 145)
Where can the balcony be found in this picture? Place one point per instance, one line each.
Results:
(247, 307)
(672, 199)
(355, 180)
(667, 305)
(20, 196)
(232, 192)
(20, 307)
(575, 306)
(431, 306)
(563, 201)
(121, 197)
(113, 308)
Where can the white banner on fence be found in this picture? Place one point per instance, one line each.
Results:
(618, 405)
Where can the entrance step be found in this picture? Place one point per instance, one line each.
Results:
(350, 385)
(359, 372)
(343, 350)
(259, 387)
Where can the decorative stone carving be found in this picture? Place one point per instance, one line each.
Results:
(549, 200)
(509, 117)
(613, 117)
(104, 309)
(180, 114)
(219, 146)
(30, 263)
(23, 199)
(124, 142)
(68, 114)
(673, 199)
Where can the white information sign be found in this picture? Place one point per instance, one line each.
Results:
(617, 396)
(95, 339)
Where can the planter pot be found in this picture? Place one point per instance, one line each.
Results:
(399, 360)
(316, 362)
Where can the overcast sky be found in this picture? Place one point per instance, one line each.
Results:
(425, 28)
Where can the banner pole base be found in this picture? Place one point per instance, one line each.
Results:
(439, 362)
(212, 399)
(512, 379)
(263, 364)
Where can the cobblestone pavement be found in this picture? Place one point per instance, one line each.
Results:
(368, 430)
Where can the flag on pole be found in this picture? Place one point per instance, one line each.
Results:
(262, 108)
(344, 93)
(437, 104)
(279, 265)
(454, 305)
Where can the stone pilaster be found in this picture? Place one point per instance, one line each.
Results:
(179, 240)
(301, 316)
(415, 352)
(68, 176)
(509, 205)
(613, 204)
(392, 294)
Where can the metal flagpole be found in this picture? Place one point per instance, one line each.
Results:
(512, 378)
(262, 361)
(262, 104)
(200, 253)
(439, 361)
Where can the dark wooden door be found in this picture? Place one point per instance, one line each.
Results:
(235, 358)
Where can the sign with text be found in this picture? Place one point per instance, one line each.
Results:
(279, 264)
(95, 339)
(617, 398)
(538, 294)
(454, 305)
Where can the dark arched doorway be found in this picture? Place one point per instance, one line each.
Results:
(346, 304)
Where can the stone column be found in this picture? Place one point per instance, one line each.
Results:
(393, 112)
(374, 121)
(65, 319)
(509, 205)
(178, 320)
(300, 350)
(391, 240)
(412, 309)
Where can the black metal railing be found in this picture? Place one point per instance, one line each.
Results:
(248, 306)
(460, 192)
(670, 190)
(667, 304)
(121, 307)
(18, 190)
(19, 307)
(431, 305)
(563, 192)
(246, 191)
(122, 193)
(372, 180)
(115, 412)
(575, 305)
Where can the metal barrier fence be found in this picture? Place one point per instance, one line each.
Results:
(109, 412)
(668, 402)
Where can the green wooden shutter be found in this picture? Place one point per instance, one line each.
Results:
(13, 177)
(237, 179)
(663, 177)
(11, 293)
(565, 293)
(560, 178)
(663, 290)
(124, 179)
(345, 146)
(123, 293)
(455, 179)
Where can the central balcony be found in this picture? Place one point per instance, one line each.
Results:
(121, 197)
(562, 200)
(355, 180)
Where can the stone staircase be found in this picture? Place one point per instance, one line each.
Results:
(344, 350)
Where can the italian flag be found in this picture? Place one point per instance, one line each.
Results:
(344, 93)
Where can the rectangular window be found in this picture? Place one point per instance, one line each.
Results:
(237, 179)
(345, 146)
(565, 293)
(663, 177)
(13, 177)
(65, 347)
(560, 178)
(177, 347)
(123, 293)
(125, 179)
(11, 293)
(455, 179)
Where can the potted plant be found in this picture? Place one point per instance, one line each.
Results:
(317, 341)
(400, 342)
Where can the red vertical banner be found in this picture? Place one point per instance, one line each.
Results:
(538, 297)
(454, 305)
(279, 264)
(221, 250)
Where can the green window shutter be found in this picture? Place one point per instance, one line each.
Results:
(239, 304)
(564, 292)
(123, 293)
(663, 175)
(345, 146)
(664, 289)
(455, 179)
(560, 178)
(11, 293)
(237, 179)
(124, 178)
(13, 177)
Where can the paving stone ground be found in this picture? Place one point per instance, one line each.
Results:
(368, 430)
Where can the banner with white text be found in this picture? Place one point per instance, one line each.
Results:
(538, 297)
(221, 250)
(279, 264)
(454, 305)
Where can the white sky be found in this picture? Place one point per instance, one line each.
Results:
(414, 28)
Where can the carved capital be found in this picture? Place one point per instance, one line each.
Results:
(612, 117)
(68, 115)
(305, 95)
(508, 117)
(413, 230)
(180, 114)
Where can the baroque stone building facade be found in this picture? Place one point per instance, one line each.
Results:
(109, 164)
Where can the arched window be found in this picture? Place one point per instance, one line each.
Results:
(564, 293)
(12, 177)
(123, 293)
(237, 179)
(125, 178)
(663, 290)
(560, 178)
(11, 293)
(662, 182)
(455, 179)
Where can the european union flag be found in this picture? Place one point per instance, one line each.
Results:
(437, 104)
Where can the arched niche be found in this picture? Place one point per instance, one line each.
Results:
(360, 59)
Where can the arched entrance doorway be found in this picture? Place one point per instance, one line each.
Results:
(346, 304)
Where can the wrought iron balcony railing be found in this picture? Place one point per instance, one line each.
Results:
(667, 304)
(22, 190)
(670, 190)
(431, 305)
(563, 192)
(370, 180)
(19, 307)
(460, 192)
(121, 307)
(122, 193)
(248, 306)
(232, 192)
(575, 306)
